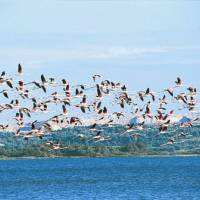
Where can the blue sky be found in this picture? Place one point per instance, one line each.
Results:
(141, 43)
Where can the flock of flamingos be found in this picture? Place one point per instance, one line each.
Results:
(103, 102)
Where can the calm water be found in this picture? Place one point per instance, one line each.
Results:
(101, 178)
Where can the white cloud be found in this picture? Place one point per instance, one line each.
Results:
(78, 53)
(36, 56)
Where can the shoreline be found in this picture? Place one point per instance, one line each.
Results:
(77, 157)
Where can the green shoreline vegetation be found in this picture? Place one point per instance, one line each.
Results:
(74, 151)
(88, 151)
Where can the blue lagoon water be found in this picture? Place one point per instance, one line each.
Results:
(101, 178)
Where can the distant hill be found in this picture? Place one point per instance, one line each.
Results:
(148, 142)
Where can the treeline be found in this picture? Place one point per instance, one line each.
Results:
(75, 151)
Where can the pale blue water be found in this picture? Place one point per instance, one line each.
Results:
(101, 178)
